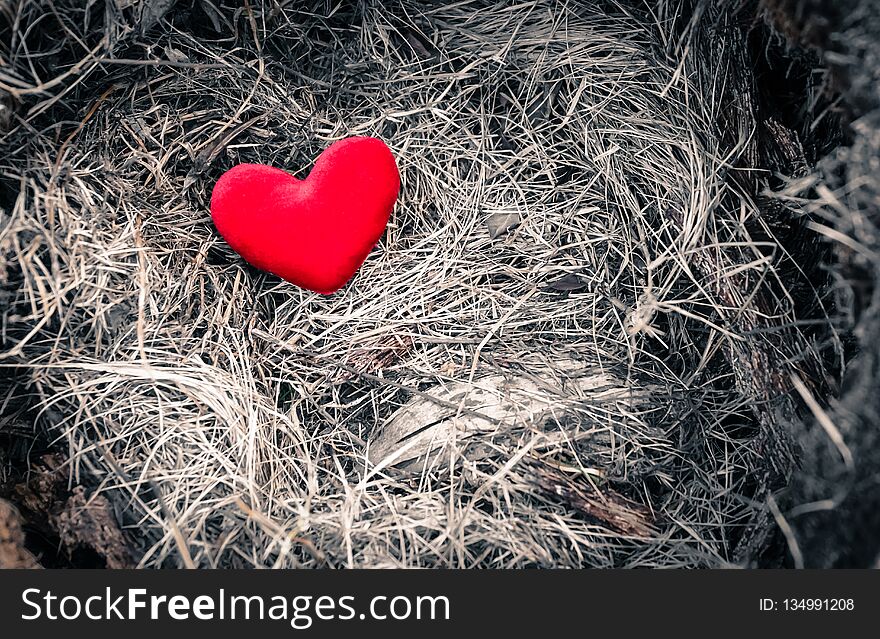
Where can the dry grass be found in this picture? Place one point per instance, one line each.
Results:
(227, 413)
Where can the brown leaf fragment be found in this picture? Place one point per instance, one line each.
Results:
(422, 46)
(568, 283)
(502, 222)
(607, 508)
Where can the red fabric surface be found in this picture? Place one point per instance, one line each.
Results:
(315, 232)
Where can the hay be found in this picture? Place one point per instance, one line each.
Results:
(613, 151)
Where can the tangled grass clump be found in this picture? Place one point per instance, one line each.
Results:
(617, 151)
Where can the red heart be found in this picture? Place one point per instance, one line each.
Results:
(314, 232)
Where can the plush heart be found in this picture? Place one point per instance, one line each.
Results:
(314, 232)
